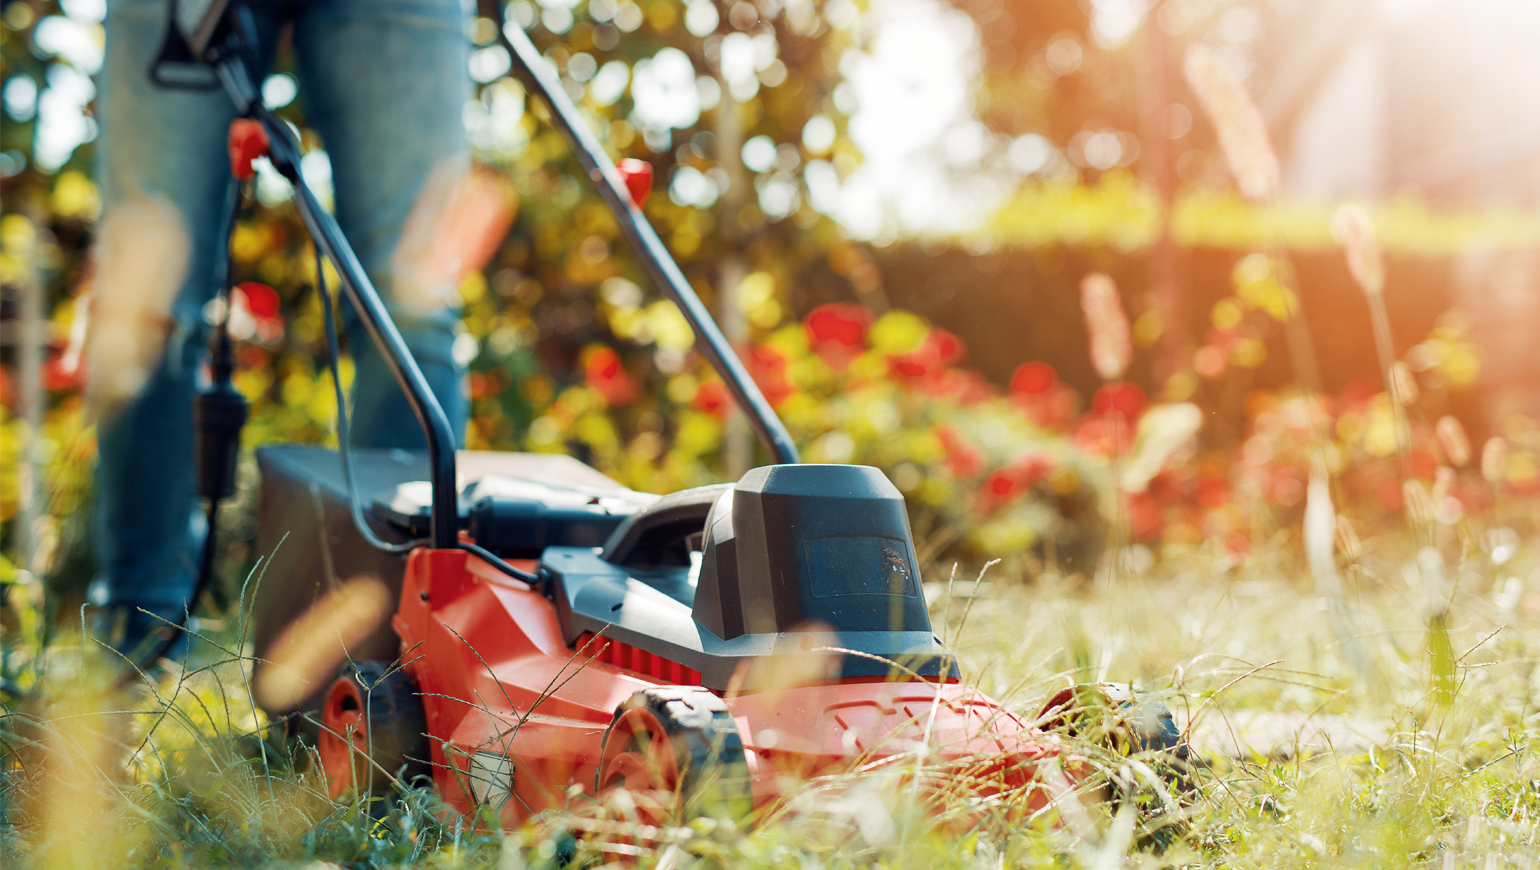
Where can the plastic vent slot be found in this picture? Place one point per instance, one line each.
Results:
(623, 655)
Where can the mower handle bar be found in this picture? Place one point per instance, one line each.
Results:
(537, 76)
(230, 67)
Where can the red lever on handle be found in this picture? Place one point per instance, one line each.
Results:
(638, 177)
(248, 141)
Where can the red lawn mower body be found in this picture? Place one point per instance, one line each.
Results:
(722, 639)
(789, 604)
(498, 681)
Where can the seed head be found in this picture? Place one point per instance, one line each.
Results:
(1403, 387)
(1354, 230)
(1451, 437)
(1348, 542)
(1494, 460)
(1162, 433)
(1321, 532)
(1419, 507)
(1241, 128)
(1111, 347)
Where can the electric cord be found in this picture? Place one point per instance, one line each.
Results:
(497, 562)
(345, 454)
(222, 363)
(223, 366)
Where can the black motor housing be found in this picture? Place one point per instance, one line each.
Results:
(794, 562)
(796, 545)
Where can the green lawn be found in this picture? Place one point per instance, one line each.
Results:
(1323, 736)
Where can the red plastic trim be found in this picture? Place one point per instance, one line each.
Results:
(248, 141)
(638, 178)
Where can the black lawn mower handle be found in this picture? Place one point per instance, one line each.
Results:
(230, 66)
(537, 77)
(228, 53)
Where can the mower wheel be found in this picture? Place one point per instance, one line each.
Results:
(676, 747)
(373, 730)
(1121, 721)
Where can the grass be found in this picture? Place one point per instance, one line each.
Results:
(1324, 737)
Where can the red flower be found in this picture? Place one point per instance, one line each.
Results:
(1033, 467)
(948, 347)
(1357, 395)
(1122, 398)
(1113, 421)
(1035, 388)
(1103, 434)
(837, 331)
(62, 371)
(713, 398)
(1424, 462)
(1050, 410)
(945, 382)
(609, 378)
(1000, 488)
(962, 458)
(767, 366)
(261, 300)
(1007, 484)
(911, 365)
(1033, 378)
(975, 388)
(1212, 492)
(965, 385)
(1390, 495)
(1146, 516)
(482, 386)
(939, 350)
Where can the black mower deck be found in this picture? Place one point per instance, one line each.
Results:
(306, 531)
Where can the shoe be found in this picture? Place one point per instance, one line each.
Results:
(137, 635)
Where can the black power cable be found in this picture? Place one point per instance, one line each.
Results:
(345, 454)
(344, 451)
(219, 414)
(497, 562)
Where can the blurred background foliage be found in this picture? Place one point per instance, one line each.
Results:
(927, 323)
(893, 207)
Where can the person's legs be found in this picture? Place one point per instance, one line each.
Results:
(385, 84)
(166, 186)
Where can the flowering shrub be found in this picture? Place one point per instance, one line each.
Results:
(995, 471)
(987, 470)
(998, 471)
(566, 354)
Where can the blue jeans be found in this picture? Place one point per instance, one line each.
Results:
(383, 83)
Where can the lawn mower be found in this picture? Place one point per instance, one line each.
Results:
(556, 635)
